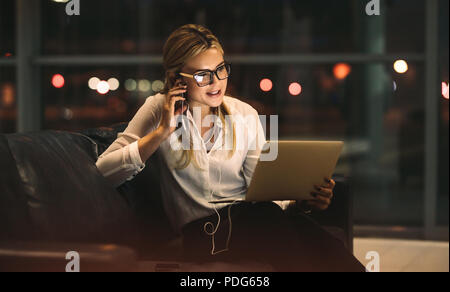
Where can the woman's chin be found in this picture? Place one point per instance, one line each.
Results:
(215, 102)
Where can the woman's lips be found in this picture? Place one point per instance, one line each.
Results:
(215, 95)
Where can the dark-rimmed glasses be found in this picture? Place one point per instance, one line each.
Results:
(206, 77)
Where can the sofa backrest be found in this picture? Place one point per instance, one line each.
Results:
(143, 195)
(50, 190)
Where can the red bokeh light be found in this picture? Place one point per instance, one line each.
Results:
(58, 81)
(266, 85)
(295, 89)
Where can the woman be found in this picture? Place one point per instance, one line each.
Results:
(196, 169)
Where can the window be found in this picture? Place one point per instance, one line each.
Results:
(341, 59)
(378, 112)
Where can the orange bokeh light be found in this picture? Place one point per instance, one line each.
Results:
(7, 95)
(266, 85)
(295, 89)
(342, 70)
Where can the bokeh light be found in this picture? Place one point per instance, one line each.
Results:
(7, 94)
(445, 90)
(67, 114)
(295, 89)
(144, 85)
(266, 85)
(93, 82)
(401, 66)
(103, 87)
(157, 85)
(342, 70)
(130, 85)
(58, 81)
(113, 84)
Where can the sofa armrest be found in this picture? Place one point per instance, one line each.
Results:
(51, 257)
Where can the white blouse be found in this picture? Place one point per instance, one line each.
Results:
(187, 192)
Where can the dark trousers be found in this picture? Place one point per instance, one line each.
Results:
(263, 232)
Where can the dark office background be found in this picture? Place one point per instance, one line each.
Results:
(395, 124)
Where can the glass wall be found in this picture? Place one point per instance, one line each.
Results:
(8, 109)
(7, 25)
(79, 105)
(339, 61)
(8, 102)
(443, 195)
(244, 27)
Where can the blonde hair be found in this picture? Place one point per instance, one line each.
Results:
(184, 43)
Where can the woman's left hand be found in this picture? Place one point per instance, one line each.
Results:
(323, 195)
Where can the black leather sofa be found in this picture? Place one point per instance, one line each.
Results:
(54, 200)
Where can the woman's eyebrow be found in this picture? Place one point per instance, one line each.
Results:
(208, 69)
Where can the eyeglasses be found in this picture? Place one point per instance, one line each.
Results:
(206, 77)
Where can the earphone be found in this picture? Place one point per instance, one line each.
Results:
(215, 229)
(184, 95)
(210, 224)
(183, 124)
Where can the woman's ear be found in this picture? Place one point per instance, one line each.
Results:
(171, 78)
(171, 75)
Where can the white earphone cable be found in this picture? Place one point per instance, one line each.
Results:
(216, 228)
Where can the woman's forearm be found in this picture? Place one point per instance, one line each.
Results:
(150, 143)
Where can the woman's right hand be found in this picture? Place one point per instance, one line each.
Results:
(169, 112)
